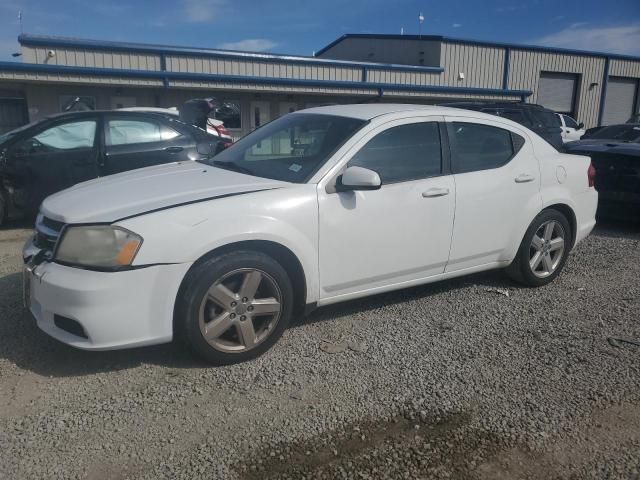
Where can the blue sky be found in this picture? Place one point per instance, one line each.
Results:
(299, 27)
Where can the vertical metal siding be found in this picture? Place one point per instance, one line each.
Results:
(625, 68)
(482, 66)
(525, 75)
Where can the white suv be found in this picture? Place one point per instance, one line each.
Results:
(317, 207)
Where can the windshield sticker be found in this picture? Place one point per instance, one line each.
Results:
(295, 167)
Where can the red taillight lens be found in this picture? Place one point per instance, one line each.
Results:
(591, 175)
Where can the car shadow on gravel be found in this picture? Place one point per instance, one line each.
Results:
(617, 229)
(25, 345)
(494, 279)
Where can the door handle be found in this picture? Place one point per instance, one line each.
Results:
(524, 178)
(173, 149)
(435, 192)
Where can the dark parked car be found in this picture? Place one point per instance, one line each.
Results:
(615, 154)
(50, 155)
(541, 120)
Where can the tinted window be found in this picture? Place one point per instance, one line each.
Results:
(479, 147)
(569, 122)
(125, 132)
(546, 119)
(403, 153)
(514, 115)
(67, 136)
(625, 133)
(290, 148)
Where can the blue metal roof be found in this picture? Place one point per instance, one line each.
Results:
(166, 77)
(51, 41)
(441, 38)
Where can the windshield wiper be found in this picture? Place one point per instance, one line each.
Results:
(232, 166)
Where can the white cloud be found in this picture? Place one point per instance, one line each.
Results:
(250, 44)
(203, 10)
(456, 25)
(623, 39)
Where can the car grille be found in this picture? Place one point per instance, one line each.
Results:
(47, 233)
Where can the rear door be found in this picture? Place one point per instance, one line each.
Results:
(497, 180)
(133, 141)
(53, 158)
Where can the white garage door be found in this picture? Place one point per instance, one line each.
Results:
(619, 103)
(556, 91)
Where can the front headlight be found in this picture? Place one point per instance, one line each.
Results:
(102, 246)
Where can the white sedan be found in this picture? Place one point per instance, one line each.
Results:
(317, 207)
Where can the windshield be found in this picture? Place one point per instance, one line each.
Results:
(623, 133)
(291, 148)
(7, 135)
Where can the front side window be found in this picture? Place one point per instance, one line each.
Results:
(514, 115)
(481, 147)
(569, 122)
(291, 148)
(67, 136)
(406, 152)
(126, 132)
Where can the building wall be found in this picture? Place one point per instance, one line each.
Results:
(482, 66)
(83, 57)
(526, 65)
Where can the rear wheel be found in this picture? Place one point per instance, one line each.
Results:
(234, 307)
(543, 251)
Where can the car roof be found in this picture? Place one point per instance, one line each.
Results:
(367, 111)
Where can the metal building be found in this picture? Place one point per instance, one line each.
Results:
(595, 88)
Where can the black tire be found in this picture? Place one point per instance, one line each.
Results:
(205, 275)
(520, 269)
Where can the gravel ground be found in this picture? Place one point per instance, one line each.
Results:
(452, 380)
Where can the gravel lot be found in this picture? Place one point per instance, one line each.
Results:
(452, 380)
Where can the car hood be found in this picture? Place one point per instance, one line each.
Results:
(154, 188)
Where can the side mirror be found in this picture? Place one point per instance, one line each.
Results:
(580, 126)
(358, 178)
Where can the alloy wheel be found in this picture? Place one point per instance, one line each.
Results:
(240, 310)
(547, 248)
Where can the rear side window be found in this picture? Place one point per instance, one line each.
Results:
(546, 119)
(403, 153)
(481, 147)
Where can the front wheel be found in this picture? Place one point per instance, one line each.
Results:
(543, 251)
(235, 306)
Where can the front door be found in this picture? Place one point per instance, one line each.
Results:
(136, 142)
(375, 240)
(497, 180)
(57, 157)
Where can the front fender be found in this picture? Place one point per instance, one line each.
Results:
(185, 234)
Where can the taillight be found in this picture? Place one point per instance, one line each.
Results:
(591, 175)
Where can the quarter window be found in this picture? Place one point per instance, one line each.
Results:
(403, 153)
(67, 136)
(125, 132)
(481, 147)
